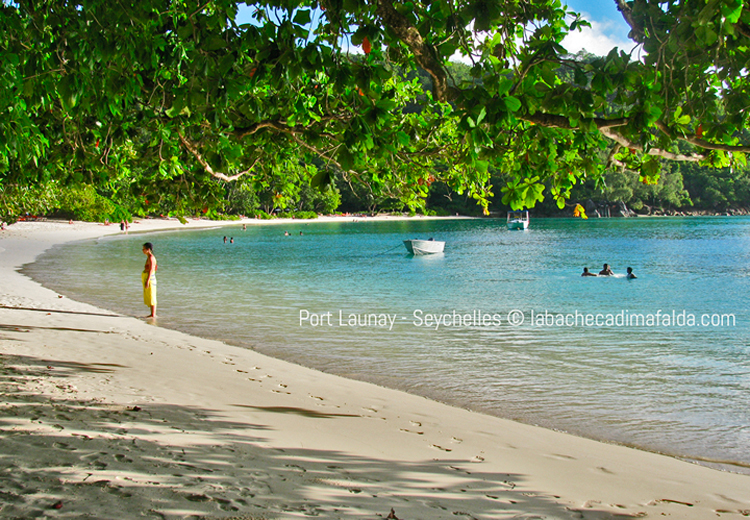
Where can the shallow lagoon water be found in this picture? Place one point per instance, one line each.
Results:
(347, 299)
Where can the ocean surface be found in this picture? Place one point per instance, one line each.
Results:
(501, 322)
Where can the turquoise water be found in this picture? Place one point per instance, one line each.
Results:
(346, 298)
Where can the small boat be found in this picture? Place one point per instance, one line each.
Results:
(424, 247)
(518, 219)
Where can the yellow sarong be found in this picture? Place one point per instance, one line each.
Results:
(149, 293)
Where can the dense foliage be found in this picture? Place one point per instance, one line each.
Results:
(153, 101)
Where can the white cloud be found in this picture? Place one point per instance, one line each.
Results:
(598, 39)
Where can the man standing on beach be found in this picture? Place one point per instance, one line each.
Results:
(148, 276)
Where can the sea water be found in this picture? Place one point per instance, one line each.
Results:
(501, 322)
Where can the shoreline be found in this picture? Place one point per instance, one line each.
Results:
(111, 411)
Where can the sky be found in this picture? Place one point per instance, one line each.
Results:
(608, 28)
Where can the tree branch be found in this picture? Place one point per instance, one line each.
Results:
(194, 150)
(423, 52)
(620, 139)
(555, 121)
(241, 133)
(702, 143)
(605, 126)
(636, 30)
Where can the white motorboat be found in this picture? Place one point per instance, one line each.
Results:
(518, 219)
(424, 247)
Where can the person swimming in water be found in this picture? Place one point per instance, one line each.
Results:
(606, 271)
(630, 275)
(586, 272)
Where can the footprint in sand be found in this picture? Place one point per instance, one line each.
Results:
(559, 456)
(411, 431)
(317, 398)
(226, 505)
(668, 501)
(117, 490)
(280, 392)
(95, 455)
(197, 498)
(440, 447)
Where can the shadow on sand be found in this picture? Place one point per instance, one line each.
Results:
(86, 459)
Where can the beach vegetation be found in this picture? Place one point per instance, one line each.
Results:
(84, 203)
(80, 202)
(171, 102)
(26, 200)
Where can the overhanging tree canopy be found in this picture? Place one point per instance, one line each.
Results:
(164, 90)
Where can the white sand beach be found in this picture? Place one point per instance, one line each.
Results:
(112, 417)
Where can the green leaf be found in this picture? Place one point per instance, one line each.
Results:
(653, 114)
(403, 138)
(504, 85)
(482, 115)
(214, 43)
(346, 159)
(512, 103)
(732, 10)
(302, 17)
(387, 104)
(321, 179)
